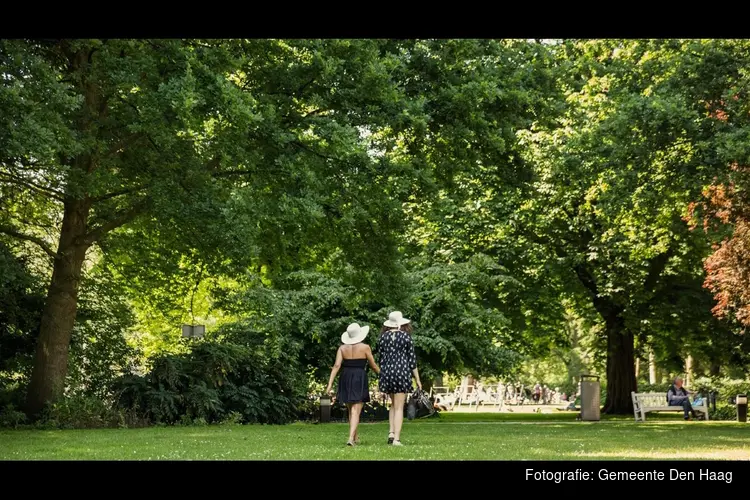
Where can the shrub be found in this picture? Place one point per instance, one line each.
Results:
(80, 411)
(646, 387)
(216, 382)
(11, 417)
(723, 411)
(726, 388)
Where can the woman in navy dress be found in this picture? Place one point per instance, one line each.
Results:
(352, 359)
(398, 364)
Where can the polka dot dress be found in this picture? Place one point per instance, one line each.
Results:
(397, 361)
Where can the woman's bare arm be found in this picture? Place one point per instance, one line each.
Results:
(415, 372)
(335, 370)
(411, 357)
(371, 360)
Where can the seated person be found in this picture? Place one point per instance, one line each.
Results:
(679, 396)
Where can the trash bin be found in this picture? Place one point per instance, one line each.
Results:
(741, 402)
(325, 408)
(590, 397)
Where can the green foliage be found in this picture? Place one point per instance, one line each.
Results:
(646, 387)
(99, 349)
(81, 412)
(723, 411)
(726, 389)
(11, 417)
(21, 300)
(568, 359)
(214, 382)
(456, 327)
(277, 190)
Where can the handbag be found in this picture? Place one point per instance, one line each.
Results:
(411, 408)
(419, 405)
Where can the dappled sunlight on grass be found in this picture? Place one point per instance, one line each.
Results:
(449, 439)
(727, 454)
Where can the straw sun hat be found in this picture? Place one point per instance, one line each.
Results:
(354, 334)
(396, 319)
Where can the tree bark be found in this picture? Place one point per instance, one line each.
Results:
(689, 371)
(50, 369)
(621, 379)
(651, 367)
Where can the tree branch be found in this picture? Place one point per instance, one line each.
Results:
(115, 194)
(22, 236)
(10, 179)
(656, 267)
(229, 173)
(125, 141)
(316, 153)
(315, 112)
(122, 218)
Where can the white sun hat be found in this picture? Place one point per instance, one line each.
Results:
(354, 334)
(396, 319)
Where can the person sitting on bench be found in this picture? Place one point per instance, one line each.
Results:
(679, 396)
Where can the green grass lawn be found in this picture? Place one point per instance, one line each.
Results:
(453, 436)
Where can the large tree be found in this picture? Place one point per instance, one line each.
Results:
(465, 99)
(723, 210)
(604, 175)
(232, 153)
(615, 180)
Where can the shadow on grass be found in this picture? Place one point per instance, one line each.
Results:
(561, 416)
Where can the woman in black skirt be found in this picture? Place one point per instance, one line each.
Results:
(352, 358)
(398, 364)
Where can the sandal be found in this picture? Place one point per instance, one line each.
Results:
(397, 443)
(390, 437)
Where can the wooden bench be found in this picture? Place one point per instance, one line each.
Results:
(644, 402)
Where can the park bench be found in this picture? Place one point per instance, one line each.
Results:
(644, 402)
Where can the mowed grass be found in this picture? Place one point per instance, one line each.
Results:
(457, 436)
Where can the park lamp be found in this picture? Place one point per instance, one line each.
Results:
(193, 331)
(325, 408)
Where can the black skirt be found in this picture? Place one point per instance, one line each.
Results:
(353, 384)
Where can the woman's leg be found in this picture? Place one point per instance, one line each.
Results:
(356, 408)
(349, 416)
(391, 428)
(398, 416)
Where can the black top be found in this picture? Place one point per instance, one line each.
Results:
(353, 387)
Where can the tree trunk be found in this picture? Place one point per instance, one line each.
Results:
(651, 367)
(637, 368)
(689, 371)
(620, 367)
(50, 369)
